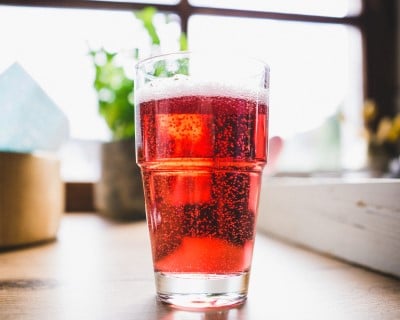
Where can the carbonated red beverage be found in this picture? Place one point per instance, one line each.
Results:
(202, 156)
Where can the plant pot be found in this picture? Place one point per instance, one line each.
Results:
(119, 193)
(31, 198)
(379, 157)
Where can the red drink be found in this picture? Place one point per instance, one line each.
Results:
(201, 157)
(201, 140)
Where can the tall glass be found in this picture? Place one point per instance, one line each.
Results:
(201, 143)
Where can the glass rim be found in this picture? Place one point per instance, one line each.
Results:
(184, 54)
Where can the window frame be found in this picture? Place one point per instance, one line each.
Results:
(377, 22)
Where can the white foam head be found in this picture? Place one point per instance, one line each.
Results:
(179, 86)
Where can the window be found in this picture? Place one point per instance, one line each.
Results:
(316, 74)
(60, 62)
(319, 53)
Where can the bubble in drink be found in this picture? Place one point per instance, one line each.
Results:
(202, 148)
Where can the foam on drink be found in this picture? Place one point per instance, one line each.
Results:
(180, 86)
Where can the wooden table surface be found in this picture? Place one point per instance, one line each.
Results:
(102, 270)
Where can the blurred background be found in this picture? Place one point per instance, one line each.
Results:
(334, 92)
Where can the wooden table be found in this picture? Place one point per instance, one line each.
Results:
(102, 270)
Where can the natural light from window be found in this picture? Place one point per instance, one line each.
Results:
(53, 45)
(316, 69)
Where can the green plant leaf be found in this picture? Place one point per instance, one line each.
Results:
(160, 69)
(113, 93)
(115, 89)
(183, 44)
(146, 16)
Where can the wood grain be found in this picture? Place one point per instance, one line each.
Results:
(102, 270)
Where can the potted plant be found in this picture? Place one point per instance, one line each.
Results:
(119, 193)
(383, 138)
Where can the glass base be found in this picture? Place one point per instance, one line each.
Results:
(202, 291)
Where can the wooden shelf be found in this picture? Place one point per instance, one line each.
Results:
(356, 220)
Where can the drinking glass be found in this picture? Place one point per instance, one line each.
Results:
(201, 144)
